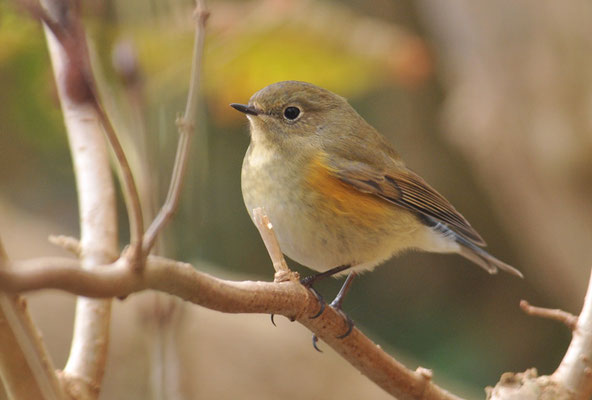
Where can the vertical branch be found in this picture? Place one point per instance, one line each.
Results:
(64, 21)
(575, 370)
(165, 365)
(26, 369)
(186, 126)
(96, 198)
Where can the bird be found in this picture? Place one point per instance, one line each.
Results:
(339, 195)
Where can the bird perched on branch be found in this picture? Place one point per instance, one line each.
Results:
(339, 195)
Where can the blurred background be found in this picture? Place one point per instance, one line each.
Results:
(491, 102)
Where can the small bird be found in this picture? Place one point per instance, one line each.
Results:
(337, 192)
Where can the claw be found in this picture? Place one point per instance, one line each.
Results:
(321, 302)
(315, 340)
(318, 314)
(349, 322)
(310, 280)
(272, 321)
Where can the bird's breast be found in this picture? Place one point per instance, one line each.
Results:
(320, 221)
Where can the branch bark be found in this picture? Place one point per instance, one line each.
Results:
(265, 227)
(96, 198)
(288, 298)
(26, 369)
(572, 380)
(556, 314)
(575, 370)
(186, 126)
(97, 276)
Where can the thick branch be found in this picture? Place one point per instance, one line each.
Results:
(573, 378)
(182, 280)
(98, 225)
(78, 87)
(575, 370)
(96, 196)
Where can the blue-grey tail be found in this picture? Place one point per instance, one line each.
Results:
(472, 251)
(483, 259)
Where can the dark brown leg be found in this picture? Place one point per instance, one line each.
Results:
(336, 304)
(308, 281)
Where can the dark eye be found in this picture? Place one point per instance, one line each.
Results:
(291, 113)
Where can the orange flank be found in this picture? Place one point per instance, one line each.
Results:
(338, 197)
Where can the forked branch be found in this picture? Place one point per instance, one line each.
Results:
(288, 298)
(572, 380)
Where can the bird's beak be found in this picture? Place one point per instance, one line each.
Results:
(245, 109)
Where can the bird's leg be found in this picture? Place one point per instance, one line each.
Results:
(308, 281)
(336, 304)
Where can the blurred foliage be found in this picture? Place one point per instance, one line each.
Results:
(250, 63)
(31, 128)
(442, 310)
(241, 60)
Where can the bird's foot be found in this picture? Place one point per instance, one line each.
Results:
(336, 305)
(307, 282)
(348, 321)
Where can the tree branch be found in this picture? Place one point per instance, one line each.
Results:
(288, 298)
(575, 370)
(186, 126)
(556, 314)
(26, 369)
(132, 199)
(573, 378)
(96, 195)
(95, 275)
(67, 243)
(282, 272)
(62, 20)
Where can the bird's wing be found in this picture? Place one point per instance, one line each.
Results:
(404, 188)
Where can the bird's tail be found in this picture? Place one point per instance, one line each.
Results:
(468, 249)
(483, 259)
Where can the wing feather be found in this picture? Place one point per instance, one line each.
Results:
(405, 188)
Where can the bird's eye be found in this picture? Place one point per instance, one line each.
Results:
(291, 113)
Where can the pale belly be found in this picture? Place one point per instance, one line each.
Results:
(310, 230)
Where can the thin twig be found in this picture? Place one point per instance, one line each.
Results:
(130, 190)
(573, 377)
(67, 243)
(265, 227)
(185, 125)
(556, 314)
